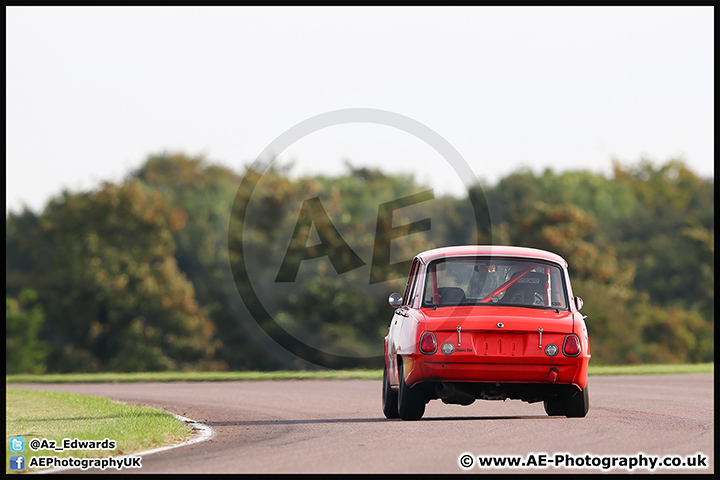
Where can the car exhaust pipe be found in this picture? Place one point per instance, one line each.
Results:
(449, 393)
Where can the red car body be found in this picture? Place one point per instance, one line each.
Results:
(486, 322)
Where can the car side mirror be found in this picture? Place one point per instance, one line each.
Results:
(395, 300)
(578, 302)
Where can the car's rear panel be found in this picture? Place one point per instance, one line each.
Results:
(497, 344)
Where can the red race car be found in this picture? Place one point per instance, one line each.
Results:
(486, 322)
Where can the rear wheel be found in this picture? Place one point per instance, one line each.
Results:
(577, 404)
(554, 407)
(411, 403)
(389, 398)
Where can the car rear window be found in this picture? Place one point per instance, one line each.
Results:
(494, 281)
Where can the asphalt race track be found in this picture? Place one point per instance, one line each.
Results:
(337, 426)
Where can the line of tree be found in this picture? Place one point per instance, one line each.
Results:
(143, 275)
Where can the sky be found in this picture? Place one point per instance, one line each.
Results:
(92, 92)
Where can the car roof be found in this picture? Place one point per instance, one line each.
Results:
(490, 250)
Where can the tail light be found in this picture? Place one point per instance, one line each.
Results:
(571, 347)
(428, 344)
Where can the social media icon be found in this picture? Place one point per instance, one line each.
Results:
(17, 462)
(17, 444)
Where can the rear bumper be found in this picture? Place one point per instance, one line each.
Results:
(569, 371)
(474, 372)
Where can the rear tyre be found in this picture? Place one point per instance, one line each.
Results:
(411, 403)
(554, 407)
(577, 404)
(389, 398)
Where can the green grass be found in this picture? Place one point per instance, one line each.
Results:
(196, 376)
(36, 414)
(307, 375)
(651, 369)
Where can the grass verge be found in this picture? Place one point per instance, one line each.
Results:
(651, 369)
(196, 376)
(36, 414)
(307, 375)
